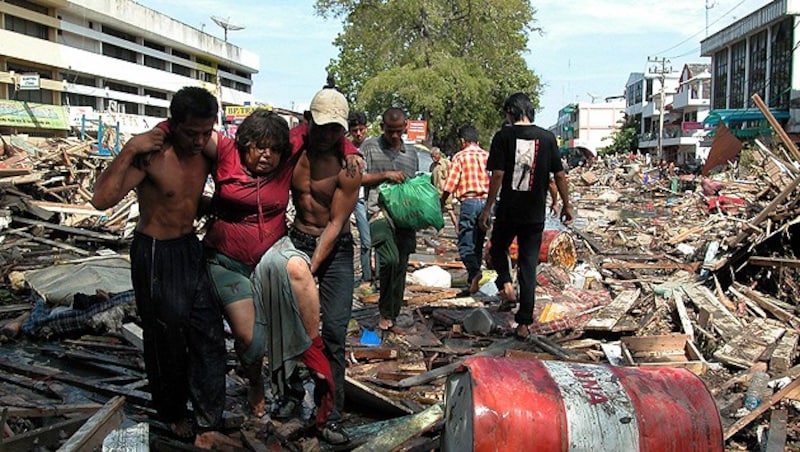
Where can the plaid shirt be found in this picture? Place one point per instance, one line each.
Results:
(467, 177)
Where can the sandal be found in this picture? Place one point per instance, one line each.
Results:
(522, 332)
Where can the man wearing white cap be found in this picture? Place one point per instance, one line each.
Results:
(324, 196)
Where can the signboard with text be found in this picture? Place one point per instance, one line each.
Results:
(234, 112)
(15, 113)
(29, 81)
(417, 130)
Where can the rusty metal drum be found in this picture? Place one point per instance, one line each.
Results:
(510, 404)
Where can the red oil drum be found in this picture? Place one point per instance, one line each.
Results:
(510, 404)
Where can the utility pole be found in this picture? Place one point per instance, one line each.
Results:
(709, 4)
(662, 72)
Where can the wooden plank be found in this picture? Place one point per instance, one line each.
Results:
(776, 439)
(766, 303)
(373, 353)
(683, 316)
(746, 420)
(134, 335)
(393, 437)
(496, 349)
(54, 410)
(610, 315)
(44, 437)
(137, 397)
(783, 355)
(91, 434)
(357, 393)
(53, 243)
(721, 319)
(762, 261)
(67, 229)
(68, 208)
(746, 348)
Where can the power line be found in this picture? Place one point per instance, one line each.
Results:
(701, 31)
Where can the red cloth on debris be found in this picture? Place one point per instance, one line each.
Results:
(553, 281)
(725, 203)
(314, 358)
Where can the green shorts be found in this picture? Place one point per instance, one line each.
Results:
(229, 277)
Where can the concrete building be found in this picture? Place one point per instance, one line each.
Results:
(756, 54)
(588, 124)
(683, 132)
(643, 102)
(111, 57)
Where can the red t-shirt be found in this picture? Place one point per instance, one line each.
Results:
(252, 211)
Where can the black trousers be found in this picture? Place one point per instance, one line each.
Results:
(184, 344)
(529, 240)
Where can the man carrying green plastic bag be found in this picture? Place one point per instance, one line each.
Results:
(391, 164)
(413, 204)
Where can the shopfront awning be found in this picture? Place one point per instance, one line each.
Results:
(735, 116)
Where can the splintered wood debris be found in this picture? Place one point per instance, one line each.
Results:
(669, 270)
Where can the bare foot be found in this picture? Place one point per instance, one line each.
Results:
(508, 292)
(216, 441)
(385, 324)
(182, 429)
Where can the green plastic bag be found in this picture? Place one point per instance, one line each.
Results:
(414, 204)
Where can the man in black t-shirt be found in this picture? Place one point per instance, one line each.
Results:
(521, 159)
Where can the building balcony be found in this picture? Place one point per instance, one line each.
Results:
(689, 99)
(684, 134)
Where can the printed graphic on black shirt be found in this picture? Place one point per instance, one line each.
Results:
(524, 165)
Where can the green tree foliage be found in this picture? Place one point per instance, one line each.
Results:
(625, 139)
(450, 62)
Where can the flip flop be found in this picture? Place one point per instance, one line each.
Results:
(522, 332)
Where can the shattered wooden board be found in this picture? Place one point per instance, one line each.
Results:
(723, 321)
(610, 315)
(783, 355)
(745, 348)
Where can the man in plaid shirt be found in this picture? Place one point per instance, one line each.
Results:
(468, 181)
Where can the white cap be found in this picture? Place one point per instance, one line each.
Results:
(329, 106)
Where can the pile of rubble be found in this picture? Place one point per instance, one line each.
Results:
(659, 270)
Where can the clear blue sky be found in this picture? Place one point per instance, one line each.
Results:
(587, 47)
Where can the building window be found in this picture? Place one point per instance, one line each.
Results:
(181, 70)
(155, 63)
(110, 50)
(123, 88)
(226, 82)
(242, 87)
(152, 110)
(79, 79)
(80, 100)
(758, 65)
(118, 106)
(118, 34)
(26, 27)
(204, 62)
(39, 96)
(154, 46)
(720, 79)
(29, 6)
(155, 94)
(180, 54)
(738, 65)
(780, 75)
(205, 76)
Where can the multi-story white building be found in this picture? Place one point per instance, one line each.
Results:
(756, 54)
(589, 124)
(107, 56)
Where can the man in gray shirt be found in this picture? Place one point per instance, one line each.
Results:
(389, 159)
